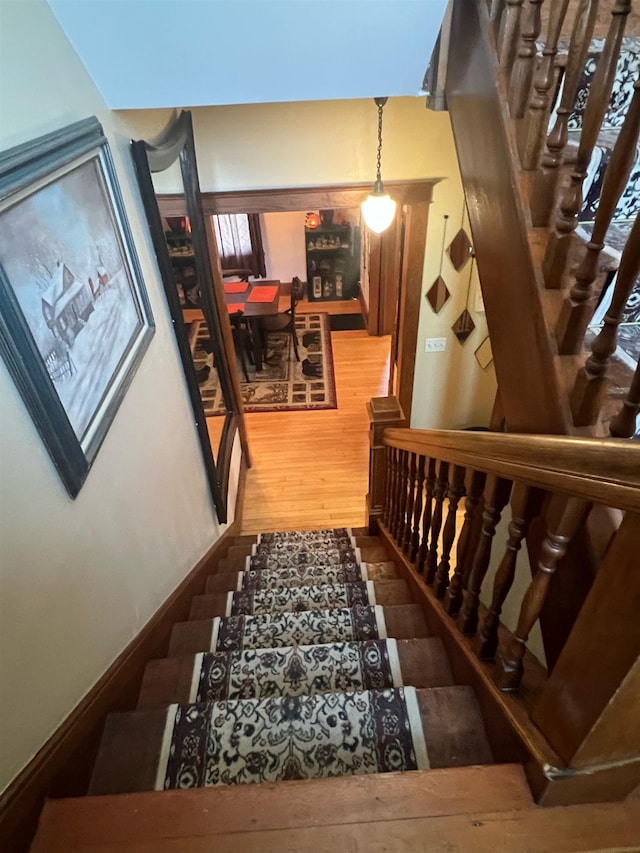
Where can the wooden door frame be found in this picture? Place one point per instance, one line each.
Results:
(414, 195)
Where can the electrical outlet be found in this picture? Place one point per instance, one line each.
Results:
(435, 345)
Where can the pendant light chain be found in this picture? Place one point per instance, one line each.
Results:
(379, 159)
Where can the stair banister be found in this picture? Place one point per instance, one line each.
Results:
(525, 505)
(577, 308)
(560, 240)
(589, 706)
(496, 495)
(624, 423)
(532, 131)
(591, 381)
(508, 40)
(571, 517)
(456, 491)
(543, 198)
(565, 476)
(383, 412)
(466, 541)
(524, 65)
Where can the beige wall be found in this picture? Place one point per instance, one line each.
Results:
(314, 143)
(79, 579)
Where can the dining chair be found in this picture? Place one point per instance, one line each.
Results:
(285, 321)
(240, 329)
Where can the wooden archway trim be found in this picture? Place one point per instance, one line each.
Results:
(301, 198)
(398, 279)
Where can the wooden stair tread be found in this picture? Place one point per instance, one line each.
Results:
(132, 741)
(158, 818)
(423, 663)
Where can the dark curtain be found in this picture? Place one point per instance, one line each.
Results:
(240, 242)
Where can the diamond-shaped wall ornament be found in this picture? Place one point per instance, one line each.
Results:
(463, 326)
(437, 294)
(460, 250)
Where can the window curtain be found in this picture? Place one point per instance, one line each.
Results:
(240, 242)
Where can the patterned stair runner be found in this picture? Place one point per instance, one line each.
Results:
(303, 679)
(284, 738)
(299, 598)
(295, 670)
(309, 627)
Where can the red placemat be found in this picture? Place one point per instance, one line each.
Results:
(237, 306)
(263, 293)
(236, 286)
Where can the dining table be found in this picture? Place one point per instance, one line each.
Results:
(255, 300)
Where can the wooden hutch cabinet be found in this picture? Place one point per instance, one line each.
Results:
(333, 262)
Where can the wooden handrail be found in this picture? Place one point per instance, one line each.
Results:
(605, 471)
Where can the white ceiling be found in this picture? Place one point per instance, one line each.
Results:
(172, 53)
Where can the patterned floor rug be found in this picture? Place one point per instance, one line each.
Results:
(292, 737)
(283, 384)
(295, 671)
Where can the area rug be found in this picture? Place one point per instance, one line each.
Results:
(295, 671)
(276, 630)
(283, 384)
(292, 737)
(296, 599)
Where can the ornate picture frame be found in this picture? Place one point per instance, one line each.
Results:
(75, 320)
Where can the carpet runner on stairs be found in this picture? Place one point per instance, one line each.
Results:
(273, 680)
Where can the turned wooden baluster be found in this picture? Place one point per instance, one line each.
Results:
(401, 495)
(560, 240)
(456, 491)
(495, 498)
(523, 67)
(624, 423)
(543, 198)
(464, 555)
(442, 483)
(392, 521)
(531, 132)
(496, 11)
(421, 559)
(577, 308)
(508, 44)
(525, 505)
(386, 510)
(591, 381)
(560, 533)
(411, 499)
(417, 509)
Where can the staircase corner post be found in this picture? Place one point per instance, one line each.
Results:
(384, 412)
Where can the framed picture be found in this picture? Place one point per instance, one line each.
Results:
(75, 320)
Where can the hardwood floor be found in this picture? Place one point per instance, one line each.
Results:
(310, 469)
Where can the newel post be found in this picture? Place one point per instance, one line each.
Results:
(384, 412)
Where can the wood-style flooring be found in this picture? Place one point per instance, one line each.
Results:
(310, 469)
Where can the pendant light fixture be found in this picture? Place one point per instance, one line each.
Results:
(378, 209)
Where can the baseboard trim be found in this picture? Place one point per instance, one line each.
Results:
(62, 767)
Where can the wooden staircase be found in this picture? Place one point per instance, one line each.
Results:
(463, 801)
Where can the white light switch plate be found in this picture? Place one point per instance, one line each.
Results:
(435, 345)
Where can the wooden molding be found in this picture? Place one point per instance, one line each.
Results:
(62, 766)
(299, 198)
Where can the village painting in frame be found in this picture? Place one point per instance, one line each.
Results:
(74, 316)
